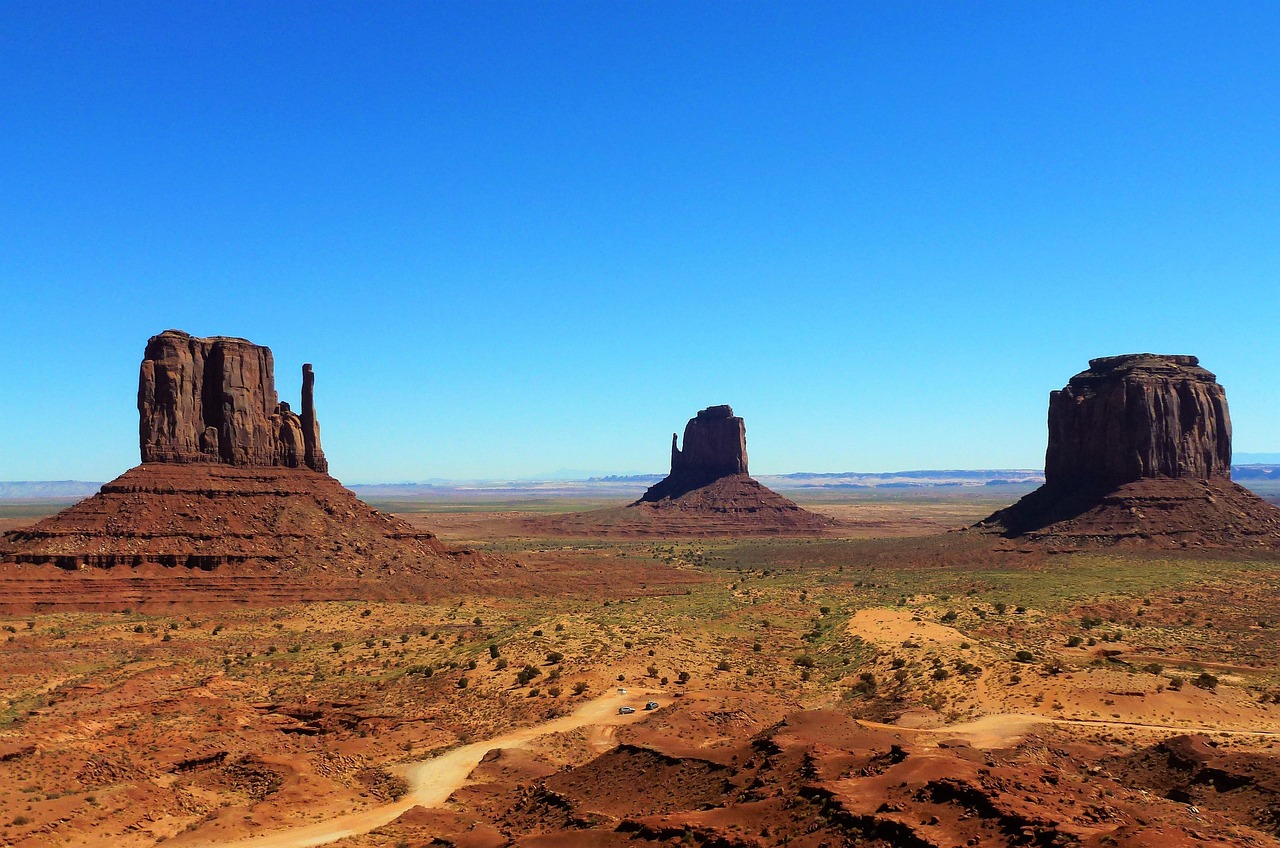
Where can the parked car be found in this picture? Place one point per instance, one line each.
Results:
(652, 705)
(626, 710)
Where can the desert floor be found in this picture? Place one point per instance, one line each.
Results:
(361, 724)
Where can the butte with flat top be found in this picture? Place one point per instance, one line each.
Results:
(1140, 454)
(233, 485)
(709, 492)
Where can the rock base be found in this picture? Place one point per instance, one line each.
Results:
(1149, 513)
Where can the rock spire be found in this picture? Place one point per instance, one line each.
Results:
(214, 400)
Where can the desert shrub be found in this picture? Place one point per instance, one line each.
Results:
(537, 633)
(554, 691)
(404, 638)
(471, 664)
(806, 661)
(824, 610)
(866, 684)
(1153, 668)
(627, 644)
(477, 622)
(652, 671)
(1000, 607)
(1024, 656)
(554, 656)
(682, 677)
(527, 673)
(723, 665)
(941, 674)
(897, 662)
(1074, 641)
(1205, 681)
(501, 663)
(1089, 622)
(579, 688)
(366, 613)
(462, 683)
(1175, 683)
(949, 616)
(294, 649)
(757, 647)
(493, 652)
(559, 627)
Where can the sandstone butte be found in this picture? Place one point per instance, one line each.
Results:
(1140, 454)
(233, 484)
(708, 493)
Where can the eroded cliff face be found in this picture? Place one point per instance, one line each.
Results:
(1138, 416)
(1140, 454)
(715, 446)
(214, 400)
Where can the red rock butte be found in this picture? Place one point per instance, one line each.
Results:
(1140, 453)
(233, 484)
(707, 493)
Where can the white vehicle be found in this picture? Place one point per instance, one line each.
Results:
(626, 710)
(651, 705)
(621, 691)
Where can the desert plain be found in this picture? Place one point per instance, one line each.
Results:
(888, 682)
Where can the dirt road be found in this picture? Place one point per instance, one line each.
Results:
(432, 781)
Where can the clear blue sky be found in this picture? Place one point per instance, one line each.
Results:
(522, 237)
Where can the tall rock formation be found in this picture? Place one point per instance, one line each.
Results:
(1139, 450)
(214, 400)
(715, 446)
(232, 482)
(707, 493)
(1135, 416)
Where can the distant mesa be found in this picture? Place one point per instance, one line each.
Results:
(232, 483)
(1140, 452)
(715, 447)
(707, 493)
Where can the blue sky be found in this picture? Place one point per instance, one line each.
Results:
(522, 237)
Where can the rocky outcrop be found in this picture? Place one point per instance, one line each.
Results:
(715, 446)
(1140, 452)
(214, 400)
(1138, 416)
(228, 487)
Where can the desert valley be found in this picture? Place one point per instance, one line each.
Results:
(583, 424)
(224, 646)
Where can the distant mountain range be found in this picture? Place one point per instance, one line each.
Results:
(59, 490)
(623, 485)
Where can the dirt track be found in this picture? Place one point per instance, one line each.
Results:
(432, 781)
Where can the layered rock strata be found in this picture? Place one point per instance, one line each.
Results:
(1140, 451)
(214, 400)
(232, 482)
